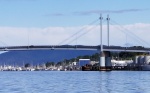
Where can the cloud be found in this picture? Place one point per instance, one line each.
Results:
(108, 11)
(90, 35)
(55, 14)
(98, 12)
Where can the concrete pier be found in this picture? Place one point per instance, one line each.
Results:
(105, 61)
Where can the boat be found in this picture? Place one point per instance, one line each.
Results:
(121, 62)
(145, 67)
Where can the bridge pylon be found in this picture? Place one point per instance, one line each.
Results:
(105, 61)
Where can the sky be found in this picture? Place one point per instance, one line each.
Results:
(59, 22)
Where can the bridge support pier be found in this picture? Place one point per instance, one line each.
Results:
(105, 61)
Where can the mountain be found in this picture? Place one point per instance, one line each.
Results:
(40, 56)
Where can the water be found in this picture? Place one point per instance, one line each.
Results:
(75, 82)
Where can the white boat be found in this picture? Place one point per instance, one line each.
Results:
(121, 62)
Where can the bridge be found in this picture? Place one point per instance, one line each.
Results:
(104, 50)
(76, 47)
(101, 47)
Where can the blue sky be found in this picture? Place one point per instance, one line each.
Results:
(27, 17)
(44, 13)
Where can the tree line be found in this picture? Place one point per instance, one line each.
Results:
(94, 57)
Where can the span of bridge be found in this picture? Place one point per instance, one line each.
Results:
(76, 47)
(100, 47)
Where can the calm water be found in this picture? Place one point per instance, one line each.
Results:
(75, 82)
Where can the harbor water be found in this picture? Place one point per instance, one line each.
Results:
(74, 82)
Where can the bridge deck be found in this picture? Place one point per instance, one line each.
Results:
(75, 47)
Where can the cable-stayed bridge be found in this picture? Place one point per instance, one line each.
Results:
(104, 50)
(73, 38)
(76, 47)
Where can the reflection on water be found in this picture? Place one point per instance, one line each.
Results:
(75, 82)
(124, 82)
(104, 82)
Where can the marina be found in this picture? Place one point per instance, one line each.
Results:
(140, 63)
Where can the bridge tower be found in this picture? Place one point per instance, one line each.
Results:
(105, 60)
(108, 28)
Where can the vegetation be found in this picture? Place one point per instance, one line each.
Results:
(48, 64)
(126, 55)
(27, 65)
(95, 57)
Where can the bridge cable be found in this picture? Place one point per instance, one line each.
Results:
(82, 34)
(124, 32)
(90, 29)
(67, 39)
(132, 35)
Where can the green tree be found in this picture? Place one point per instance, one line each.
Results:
(48, 64)
(27, 65)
